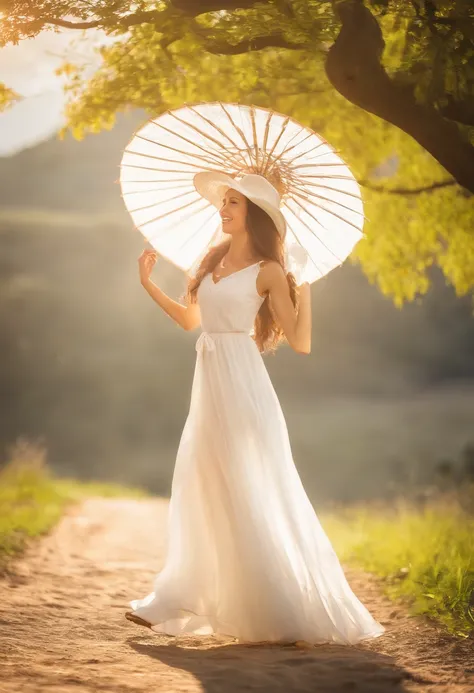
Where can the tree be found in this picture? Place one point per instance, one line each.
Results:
(375, 65)
(427, 92)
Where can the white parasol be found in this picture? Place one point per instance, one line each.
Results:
(320, 197)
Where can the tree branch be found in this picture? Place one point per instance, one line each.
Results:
(354, 68)
(73, 25)
(190, 8)
(150, 17)
(193, 8)
(254, 44)
(408, 191)
(460, 111)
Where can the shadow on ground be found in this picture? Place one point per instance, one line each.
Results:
(325, 668)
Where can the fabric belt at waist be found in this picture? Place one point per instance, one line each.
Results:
(206, 340)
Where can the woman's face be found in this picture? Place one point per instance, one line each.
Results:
(233, 212)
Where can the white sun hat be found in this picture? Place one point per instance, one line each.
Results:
(213, 184)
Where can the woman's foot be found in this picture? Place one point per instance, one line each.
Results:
(136, 619)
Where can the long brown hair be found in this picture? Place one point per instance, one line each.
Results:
(268, 244)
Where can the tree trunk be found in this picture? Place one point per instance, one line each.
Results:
(354, 69)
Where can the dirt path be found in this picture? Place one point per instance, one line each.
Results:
(62, 626)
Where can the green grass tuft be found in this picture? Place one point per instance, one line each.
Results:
(32, 500)
(425, 555)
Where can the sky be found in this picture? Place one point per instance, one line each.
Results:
(28, 69)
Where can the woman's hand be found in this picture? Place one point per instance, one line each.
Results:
(186, 317)
(304, 289)
(146, 262)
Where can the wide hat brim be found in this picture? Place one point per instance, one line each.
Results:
(212, 185)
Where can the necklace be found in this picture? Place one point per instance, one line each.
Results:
(217, 275)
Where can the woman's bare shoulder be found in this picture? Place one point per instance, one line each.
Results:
(271, 267)
(270, 275)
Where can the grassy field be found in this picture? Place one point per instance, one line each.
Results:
(424, 553)
(32, 500)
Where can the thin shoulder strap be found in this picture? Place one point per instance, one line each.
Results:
(259, 266)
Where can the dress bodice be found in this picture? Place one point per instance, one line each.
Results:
(232, 303)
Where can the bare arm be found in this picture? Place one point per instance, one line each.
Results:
(297, 328)
(186, 316)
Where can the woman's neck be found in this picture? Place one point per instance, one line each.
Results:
(240, 251)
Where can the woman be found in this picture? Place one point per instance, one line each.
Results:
(246, 556)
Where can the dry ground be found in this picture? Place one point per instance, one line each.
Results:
(62, 626)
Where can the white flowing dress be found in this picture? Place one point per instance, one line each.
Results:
(246, 554)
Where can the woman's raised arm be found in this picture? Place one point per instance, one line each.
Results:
(188, 316)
